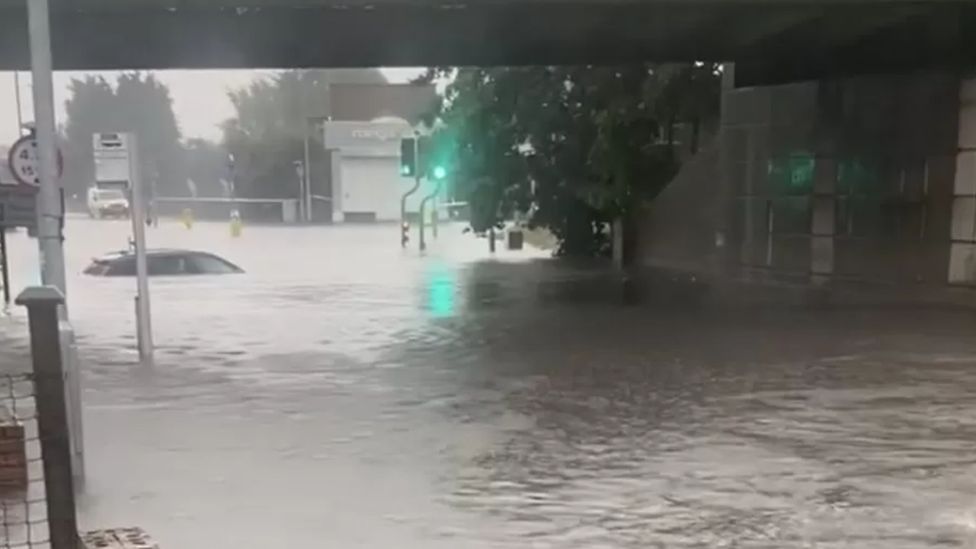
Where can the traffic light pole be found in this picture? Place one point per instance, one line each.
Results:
(403, 203)
(423, 208)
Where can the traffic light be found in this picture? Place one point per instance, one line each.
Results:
(408, 157)
(439, 172)
(404, 233)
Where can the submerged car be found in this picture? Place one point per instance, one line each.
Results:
(162, 263)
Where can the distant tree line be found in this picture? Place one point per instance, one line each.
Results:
(264, 137)
(136, 103)
(272, 118)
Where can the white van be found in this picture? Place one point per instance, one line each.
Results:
(107, 203)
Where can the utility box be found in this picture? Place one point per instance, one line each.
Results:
(516, 239)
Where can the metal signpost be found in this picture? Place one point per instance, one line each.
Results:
(49, 213)
(302, 207)
(37, 162)
(116, 157)
(138, 209)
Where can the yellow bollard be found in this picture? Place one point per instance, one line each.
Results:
(235, 223)
(187, 218)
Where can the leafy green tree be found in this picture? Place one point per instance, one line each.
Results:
(266, 135)
(573, 147)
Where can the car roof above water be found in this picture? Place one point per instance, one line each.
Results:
(111, 256)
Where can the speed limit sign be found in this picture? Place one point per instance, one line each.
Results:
(23, 161)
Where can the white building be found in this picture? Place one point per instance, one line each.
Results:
(365, 162)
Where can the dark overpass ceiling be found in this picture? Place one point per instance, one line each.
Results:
(770, 39)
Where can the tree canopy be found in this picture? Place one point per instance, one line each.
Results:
(266, 135)
(138, 103)
(572, 147)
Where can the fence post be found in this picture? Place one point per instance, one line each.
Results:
(42, 304)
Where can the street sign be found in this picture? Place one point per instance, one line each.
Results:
(111, 151)
(23, 162)
(18, 207)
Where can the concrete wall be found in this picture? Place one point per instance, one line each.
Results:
(852, 179)
(359, 102)
(678, 230)
(962, 253)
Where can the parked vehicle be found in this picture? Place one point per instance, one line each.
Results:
(107, 203)
(162, 263)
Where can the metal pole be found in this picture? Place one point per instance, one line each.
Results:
(20, 116)
(6, 263)
(52, 416)
(423, 207)
(306, 176)
(138, 206)
(49, 196)
(423, 240)
(403, 199)
(434, 215)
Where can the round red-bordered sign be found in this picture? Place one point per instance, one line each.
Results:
(23, 164)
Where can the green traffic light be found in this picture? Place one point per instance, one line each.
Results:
(405, 169)
(440, 172)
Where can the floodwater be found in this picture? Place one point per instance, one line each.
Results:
(346, 393)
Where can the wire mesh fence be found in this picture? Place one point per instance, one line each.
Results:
(23, 509)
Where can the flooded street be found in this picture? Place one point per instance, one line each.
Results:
(346, 393)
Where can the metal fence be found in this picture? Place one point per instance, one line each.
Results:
(37, 495)
(23, 503)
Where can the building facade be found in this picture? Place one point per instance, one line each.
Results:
(365, 160)
(870, 178)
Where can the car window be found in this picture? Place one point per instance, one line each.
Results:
(124, 266)
(166, 265)
(110, 194)
(98, 268)
(208, 264)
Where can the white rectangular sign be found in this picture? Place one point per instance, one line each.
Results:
(111, 151)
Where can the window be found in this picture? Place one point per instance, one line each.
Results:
(124, 266)
(208, 264)
(166, 265)
(109, 194)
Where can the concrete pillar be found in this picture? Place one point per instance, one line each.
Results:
(962, 248)
(726, 239)
(335, 175)
(822, 223)
(42, 304)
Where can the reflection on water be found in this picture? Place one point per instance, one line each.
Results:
(347, 393)
(441, 285)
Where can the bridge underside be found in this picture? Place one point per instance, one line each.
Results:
(770, 41)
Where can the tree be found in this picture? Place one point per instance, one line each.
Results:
(574, 147)
(266, 135)
(88, 109)
(139, 104)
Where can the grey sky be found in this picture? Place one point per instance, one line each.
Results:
(199, 97)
